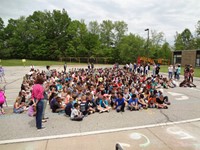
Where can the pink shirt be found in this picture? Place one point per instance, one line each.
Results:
(38, 92)
(2, 97)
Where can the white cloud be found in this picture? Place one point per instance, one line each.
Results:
(166, 16)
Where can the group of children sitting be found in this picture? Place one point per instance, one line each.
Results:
(81, 92)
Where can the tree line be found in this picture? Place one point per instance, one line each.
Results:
(47, 35)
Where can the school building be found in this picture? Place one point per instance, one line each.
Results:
(187, 57)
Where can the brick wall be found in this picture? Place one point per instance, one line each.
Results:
(188, 57)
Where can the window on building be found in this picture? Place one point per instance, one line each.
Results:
(198, 59)
(177, 57)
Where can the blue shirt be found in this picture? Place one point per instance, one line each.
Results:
(119, 102)
(103, 102)
(179, 70)
(133, 101)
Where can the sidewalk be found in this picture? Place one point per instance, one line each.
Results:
(180, 136)
(184, 136)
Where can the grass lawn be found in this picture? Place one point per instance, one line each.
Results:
(165, 69)
(18, 62)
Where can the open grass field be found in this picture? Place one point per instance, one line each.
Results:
(165, 69)
(18, 62)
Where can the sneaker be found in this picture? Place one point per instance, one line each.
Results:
(168, 103)
(165, 107)
(46, 118)
(43, 120)
(41, 129)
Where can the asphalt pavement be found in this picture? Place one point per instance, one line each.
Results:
(174, 128)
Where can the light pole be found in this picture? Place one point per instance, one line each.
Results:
(147, 43)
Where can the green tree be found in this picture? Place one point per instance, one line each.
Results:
(38, 43)
(130, 47)
(184, 41)
(120, 28)
(178, 43)
(155, 43)
(197, 38)
(17, 37)
(2, 36)
(106, 33)
(94, 28)
(165, 51)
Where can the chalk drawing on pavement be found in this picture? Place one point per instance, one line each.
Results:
(181, 134)
(179, 96)
(138, 136)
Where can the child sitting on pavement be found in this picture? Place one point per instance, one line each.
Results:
(120, 103)
(104, 103)
(18, 108)
(69, 107)
(133, 103)
(56, 105)
(76, 115)
(91, 106)
(142, 102)
(83, 105)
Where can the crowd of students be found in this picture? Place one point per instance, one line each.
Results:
(83, 91)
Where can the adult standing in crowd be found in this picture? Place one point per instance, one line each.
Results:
(92, 66)
(154, 69)
(48, 72)
(178, 72)
(186, 72)
(175, 68)
(38, 97)
(170, 72)
(65, 67)
(191, 73)
(157, 69)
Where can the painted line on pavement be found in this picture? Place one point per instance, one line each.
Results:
(93, 132)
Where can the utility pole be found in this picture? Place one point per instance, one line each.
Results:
(147, 43)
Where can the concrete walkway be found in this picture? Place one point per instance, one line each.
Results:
(103, 132)
(184, 136)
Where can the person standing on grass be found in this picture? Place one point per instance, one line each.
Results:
(170, 71)
(38, 97)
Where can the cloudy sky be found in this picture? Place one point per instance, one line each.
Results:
(166, 16)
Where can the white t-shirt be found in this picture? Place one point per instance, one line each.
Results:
(74, 113)
(170, 69)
